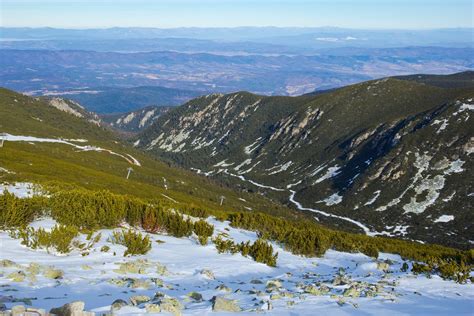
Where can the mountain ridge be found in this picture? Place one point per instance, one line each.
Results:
(319, 146)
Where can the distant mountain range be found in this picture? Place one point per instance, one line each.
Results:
(388, 157)
(294, 40)
(46, 72)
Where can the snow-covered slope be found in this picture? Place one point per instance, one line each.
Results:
(337, 284)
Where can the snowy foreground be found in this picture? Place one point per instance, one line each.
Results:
(179, 266)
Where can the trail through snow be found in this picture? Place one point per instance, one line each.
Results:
(299, 206)
(17, 138)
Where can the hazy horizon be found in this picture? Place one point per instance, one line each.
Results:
(362, 14)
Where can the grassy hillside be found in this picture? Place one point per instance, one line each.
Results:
(63, 165)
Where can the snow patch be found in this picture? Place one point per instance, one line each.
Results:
(374, 198)
(333, 199)
(21, 189)
(331, 172)
(444, 219)
(146, 117)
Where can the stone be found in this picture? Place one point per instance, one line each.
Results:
(52, 273)
(208, 274)
(18, 310)
(196, 296)
(5, 263)
(139, 299)
(152, 308)
(33, 268)
(161, 269)
(18, 276)
(139, 283)
(158, 296)
(351, 292)
(275, 296)
(119, 282)
(273, 285)
(341, 301)
(256, 281)
(158, 282)
(312, 289)
(35, 311)
(117, 305)
(224, 288)
(75, 308)
(135, 267)
(171, 305)
(383, 266)
(340, 280)
(221, 304)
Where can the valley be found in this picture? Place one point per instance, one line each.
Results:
(379, 172)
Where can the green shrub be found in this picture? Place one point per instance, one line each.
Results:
(225, 245)
(457, 272)
(59, 238)
(262, 251)
(203, 230)
(404, 267)
(16, 212)
(105, 248)
(136, 243)
(88, 209)
(370, 250)
(419, 268)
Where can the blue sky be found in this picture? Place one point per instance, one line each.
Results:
(401, 14)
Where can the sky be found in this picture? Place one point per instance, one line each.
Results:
(368, 14)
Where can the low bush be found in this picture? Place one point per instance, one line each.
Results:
(136, 243)
(225, 245)
(260, 250)
(203, 230)
(16, 212)
(59, 238)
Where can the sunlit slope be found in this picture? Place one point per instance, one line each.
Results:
(93, 157)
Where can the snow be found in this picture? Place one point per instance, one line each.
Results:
(374, 198)
(331, 172)
(280, 168)
(250, 148)
(244, 163)
(464, 107)
(127, 119)
(20, 189)
(62, 105)
(223, 164)
(333, 199)
(401, 293)
(32, 139)
(4, 170)
(146, 117)
(444, 219)
(444, 124)
(300, 207)
(241, 177)
(289, 186)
